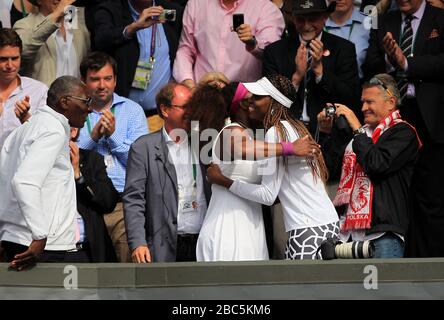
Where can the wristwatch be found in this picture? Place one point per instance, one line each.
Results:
(359, 131)
(252, 42)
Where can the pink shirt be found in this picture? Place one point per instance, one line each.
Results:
(208, 44)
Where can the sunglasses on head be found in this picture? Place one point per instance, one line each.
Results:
(378, 82)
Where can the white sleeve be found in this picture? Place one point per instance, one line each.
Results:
(30, 177)
(273, 173)
(38, 99)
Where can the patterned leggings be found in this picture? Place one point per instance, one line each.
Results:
(303, 243)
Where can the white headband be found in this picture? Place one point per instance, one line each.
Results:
(263, 87)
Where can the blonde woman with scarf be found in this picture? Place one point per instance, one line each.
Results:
(377, 169)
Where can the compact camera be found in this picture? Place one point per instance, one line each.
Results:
(341, 121)
(335, 249)
(168, 15)
(330, 111)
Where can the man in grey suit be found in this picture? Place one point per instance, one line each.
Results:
(166, 193)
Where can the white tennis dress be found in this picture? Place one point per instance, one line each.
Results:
(233, 229)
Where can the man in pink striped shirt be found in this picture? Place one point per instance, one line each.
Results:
(208, 43)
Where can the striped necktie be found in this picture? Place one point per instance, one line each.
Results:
(406, 47)
(309, 60)
(308, 74)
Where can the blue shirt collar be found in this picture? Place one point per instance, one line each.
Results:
(356, 17)
(117, 99)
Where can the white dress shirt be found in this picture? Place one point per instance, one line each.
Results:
(38, 193)
(36, 90)
(66, 58)
(305, 202)
(188, 222)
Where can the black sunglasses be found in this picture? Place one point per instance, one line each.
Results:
(378, 82)
(88, 101)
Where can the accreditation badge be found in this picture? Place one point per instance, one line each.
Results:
(109, 161)
(188, 199)
(142, 77)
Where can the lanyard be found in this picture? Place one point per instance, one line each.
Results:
(88, 122)
(194, 167)
(153, 42)
(24, 13)
(351, 30)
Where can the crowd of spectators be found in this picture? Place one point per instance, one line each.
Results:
(96, 168)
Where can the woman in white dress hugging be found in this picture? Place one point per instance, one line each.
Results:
(299, 182)
(233, 229)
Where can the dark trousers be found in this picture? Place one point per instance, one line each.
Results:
(186, 247)
(79, 256)
(11, 249)
(425, 237)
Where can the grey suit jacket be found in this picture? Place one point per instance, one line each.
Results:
(150, 198)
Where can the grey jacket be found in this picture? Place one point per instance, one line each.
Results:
(150, 198)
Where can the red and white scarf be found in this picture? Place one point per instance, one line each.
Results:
(355, 188)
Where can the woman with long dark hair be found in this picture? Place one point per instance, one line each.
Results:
(309, 215)
(233, 228)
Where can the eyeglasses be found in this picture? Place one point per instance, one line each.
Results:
(179, 107)
(378, 82)
(88, 101)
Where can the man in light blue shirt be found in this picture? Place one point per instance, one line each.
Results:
(115, 123)
(161, 72)
(144, 46)
(348, 23)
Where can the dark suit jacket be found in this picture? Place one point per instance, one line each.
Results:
(340, 80)
(90, 10)
(425, 68)
(111, 18)
(150, 199)
(96, 196)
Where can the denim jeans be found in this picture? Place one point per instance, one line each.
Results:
(389, 246)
